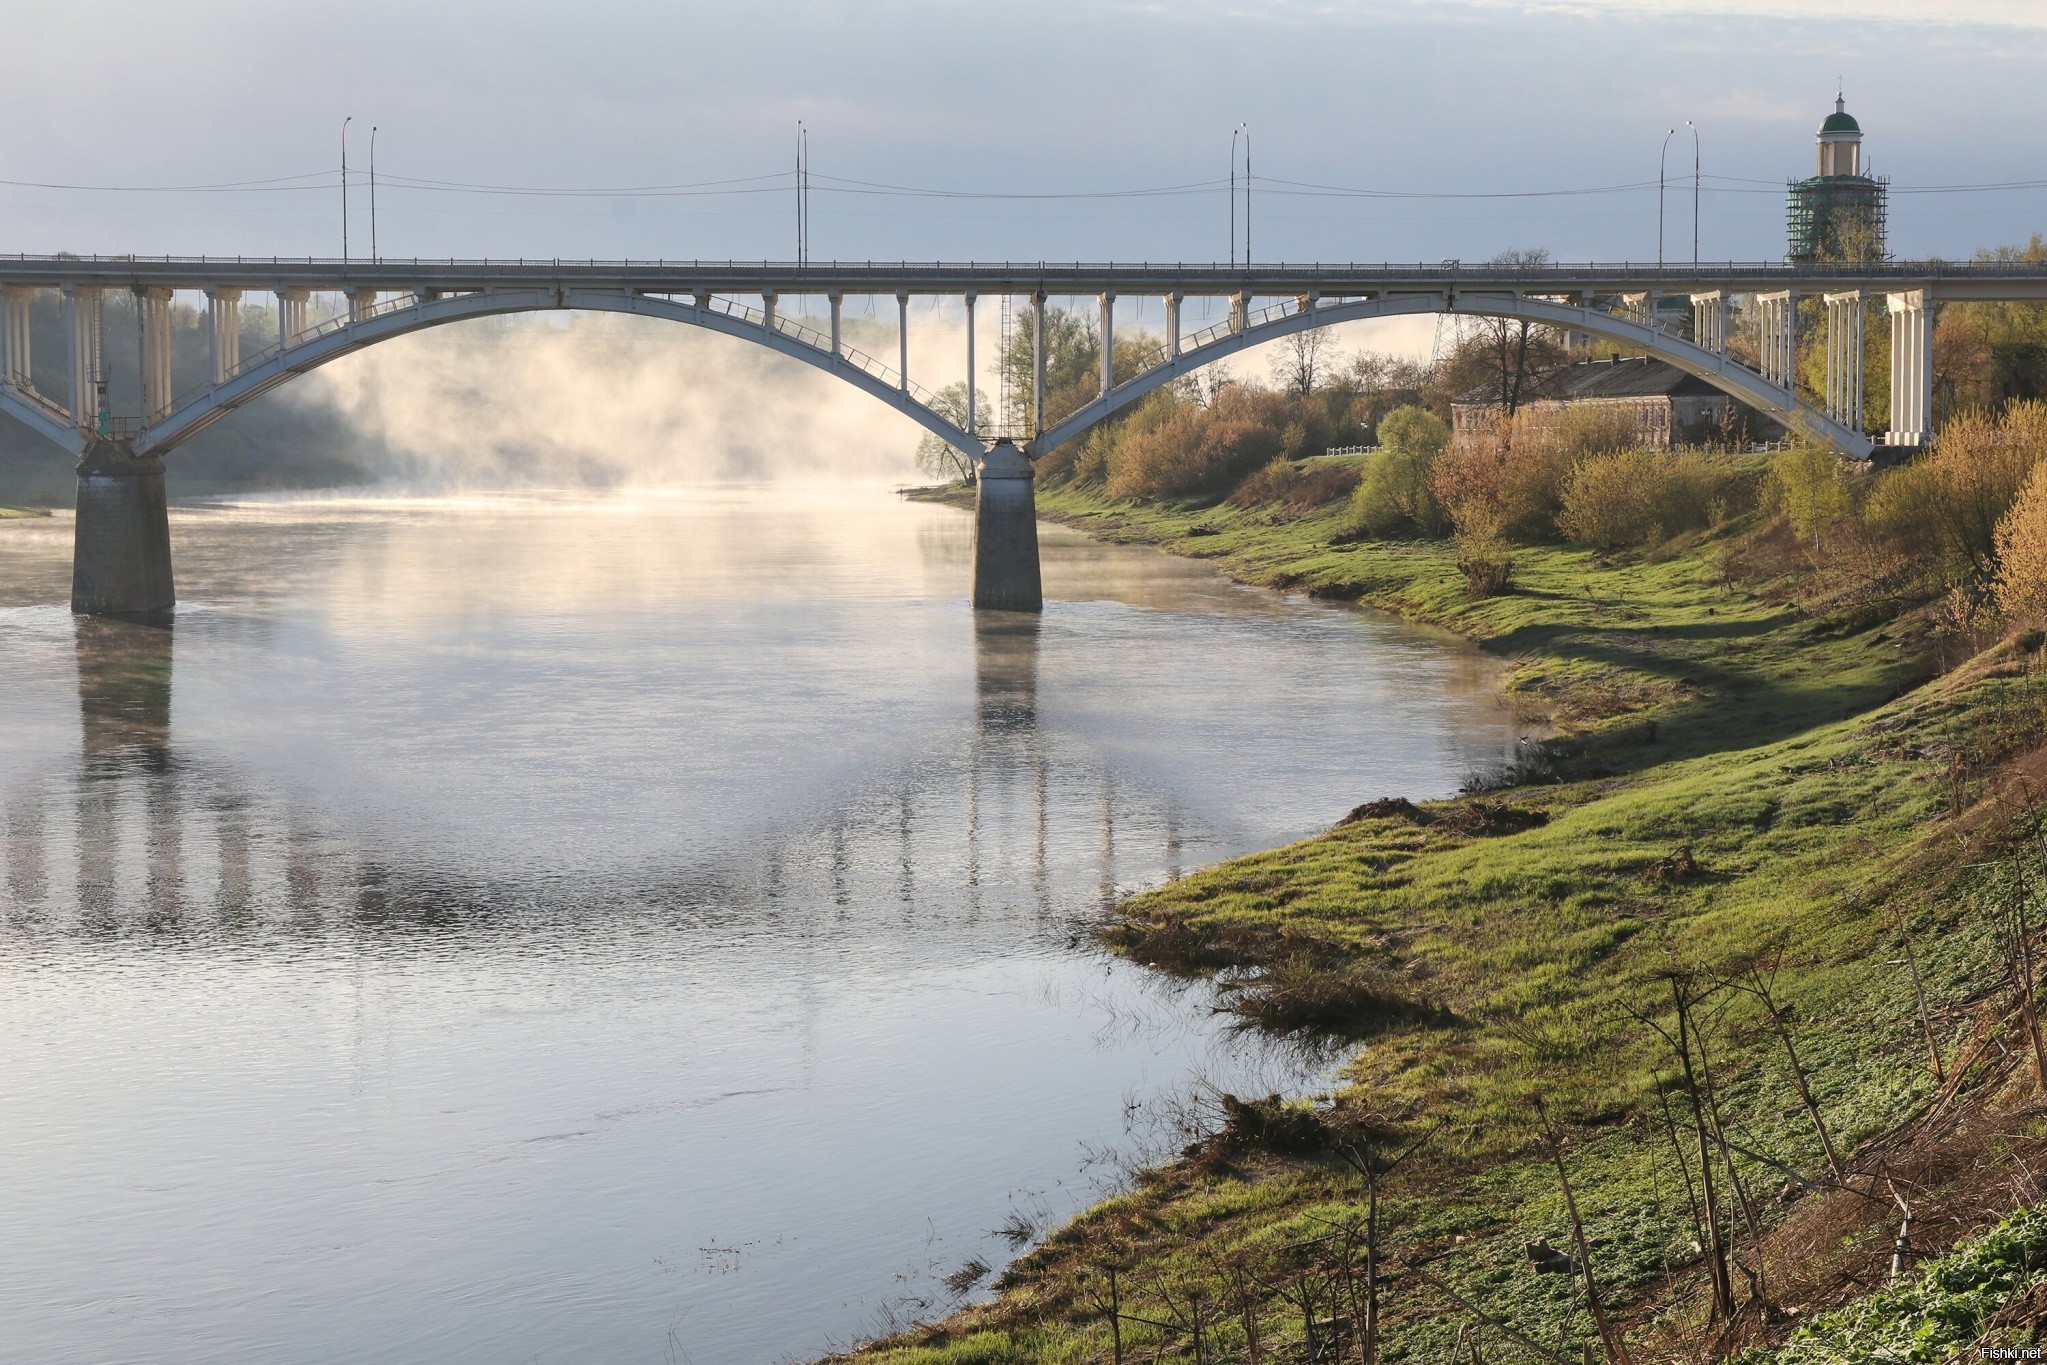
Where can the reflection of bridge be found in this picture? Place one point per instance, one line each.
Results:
(122, 561)
(1012, 826)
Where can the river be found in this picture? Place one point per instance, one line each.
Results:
(646, 927)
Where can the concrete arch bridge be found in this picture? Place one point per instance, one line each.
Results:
(122, 561)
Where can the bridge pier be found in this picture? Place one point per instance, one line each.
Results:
(1006, 533)
(121, 546)
(1911, 369)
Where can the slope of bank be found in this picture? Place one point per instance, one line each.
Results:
(1761, 838)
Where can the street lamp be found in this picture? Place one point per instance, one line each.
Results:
(1695, 190)
(1660, 180)
(374, 258)
(344, 187)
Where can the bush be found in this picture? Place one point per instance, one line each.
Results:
(1947, 505)
(1635, 497)
(1806, 485)
(1395, 494)
(2022, 552)
(1295, 490)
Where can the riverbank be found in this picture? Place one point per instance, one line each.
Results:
(1764, 802)
(11, 513)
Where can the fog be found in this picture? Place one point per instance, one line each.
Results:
(600, 401)
(593, 400)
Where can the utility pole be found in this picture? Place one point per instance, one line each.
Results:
(344, 187)
(1695, 189)
(1660, 181)
(374, 257)
(1247, 194)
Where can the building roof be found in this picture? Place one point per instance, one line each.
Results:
(1620, 377)
(1840, 121)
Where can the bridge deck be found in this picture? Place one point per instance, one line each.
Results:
(1941, 279)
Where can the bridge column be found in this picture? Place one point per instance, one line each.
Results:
(1777, 339)
(121, 543)
(291, 316)
(1006, 533)
(82, 322)
(15, 370)
(1173, 323)
(1037, 365)
(360, 304)
(155, 308)
(837, 301)
(767, 310)
(224, 313)
(973, 423)
(1108, 302)
(1709, 321)
(1844, 358)
(1911, 369)
(903, 340)
(1240, 312)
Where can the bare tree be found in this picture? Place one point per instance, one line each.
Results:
(1302, 360)
(940, 458)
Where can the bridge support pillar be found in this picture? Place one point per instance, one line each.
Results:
(224, 314)
(1911, 369)
(1777, 340)
(155, 307)
(82, 321)
(1006, 533)
(1844, 358)
(121, 545)
(15, 369)
(1173, 322)
(1709, 321)
(291, 316)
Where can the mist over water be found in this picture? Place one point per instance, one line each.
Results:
(631, 927)
(594, 400)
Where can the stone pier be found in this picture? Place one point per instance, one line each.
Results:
(1006, 533)
(121, 551)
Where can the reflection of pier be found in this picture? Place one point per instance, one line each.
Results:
(139, 833)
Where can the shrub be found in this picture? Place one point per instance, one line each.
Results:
(2022, 552)
(1633, 497)
(1395, 493)
(1611, 501)
(1295, 490)
(1946, 506)
(1807, 486)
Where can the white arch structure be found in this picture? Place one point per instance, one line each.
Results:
(1715, 367)
(177, 421)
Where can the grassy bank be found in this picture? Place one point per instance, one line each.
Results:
(1779, 815)
(10, 513)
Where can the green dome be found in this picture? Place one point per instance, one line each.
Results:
(1840, 123)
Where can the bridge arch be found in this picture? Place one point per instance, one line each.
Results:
(218, 400)
(1722, 371)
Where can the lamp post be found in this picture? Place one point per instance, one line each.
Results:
(1695, 190)
(374, 257)
(344, 187)
(1247, 195)
(1661, 159)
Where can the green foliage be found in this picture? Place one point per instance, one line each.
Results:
(940, 458)
(1807, 485)
(1944, 1310)
(1634, 497)
(1396, 495)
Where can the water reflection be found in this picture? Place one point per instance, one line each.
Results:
(419, 962)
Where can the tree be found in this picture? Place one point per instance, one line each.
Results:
(940, 458)
(1073, 357)
(1300, 361)
(1507, 356)
(1396, 490)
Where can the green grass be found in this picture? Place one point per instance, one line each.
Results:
(1810, 769)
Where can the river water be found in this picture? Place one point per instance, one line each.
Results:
(645, 928)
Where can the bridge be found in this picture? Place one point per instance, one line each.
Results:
(122, 558)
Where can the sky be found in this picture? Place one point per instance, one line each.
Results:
(1445, 105)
